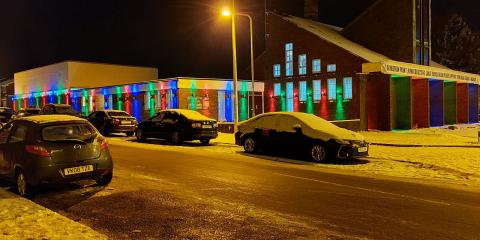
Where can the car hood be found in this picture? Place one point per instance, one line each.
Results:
(333, 133)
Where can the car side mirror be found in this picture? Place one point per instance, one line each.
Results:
(297, 127)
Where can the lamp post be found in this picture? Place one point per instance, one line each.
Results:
(226, 12)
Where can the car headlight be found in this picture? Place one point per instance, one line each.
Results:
(342, 141)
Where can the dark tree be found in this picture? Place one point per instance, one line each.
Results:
(457, 46)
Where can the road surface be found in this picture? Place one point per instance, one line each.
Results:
(217, 192)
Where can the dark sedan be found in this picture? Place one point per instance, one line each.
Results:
(64, 109)
(113, 121)
(52, 149)
(178, 125)
(5, 114)
(313, 136)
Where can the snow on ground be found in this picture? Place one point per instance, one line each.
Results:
(23, 219)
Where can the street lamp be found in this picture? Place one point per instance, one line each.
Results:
(226, 12)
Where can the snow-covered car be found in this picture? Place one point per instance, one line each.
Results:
(299, 132)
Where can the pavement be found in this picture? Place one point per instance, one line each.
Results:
(23, 219)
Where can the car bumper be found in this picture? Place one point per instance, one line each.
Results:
(349, 151)
(123, 128)
(54, 173)
(204, 134)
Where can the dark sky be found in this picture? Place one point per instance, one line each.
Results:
(180, 37)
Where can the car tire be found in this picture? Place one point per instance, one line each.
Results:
(140, 134)
(105, 179)
(250, 145)
(176, 137)
(24, 189)
(205, 141)
(129, 134)
(318, 152)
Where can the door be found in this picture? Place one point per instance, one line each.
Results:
(168, 124)
(285, 135)
(4, 134)
(16, 146)
(257, 107)
(154, 125)
(100, 119)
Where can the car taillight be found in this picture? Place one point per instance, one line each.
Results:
(103, 143)
(116, 121)
(37, 150)
(196, 125)
(215, 124)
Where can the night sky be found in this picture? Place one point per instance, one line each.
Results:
(180, 37)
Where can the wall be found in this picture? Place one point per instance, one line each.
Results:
(387, 28)
(450, 102)
(420, 103)
(401, 103)
(436, 103)
(462, 103)
(280, 32)
(378, 102)
(42, 79)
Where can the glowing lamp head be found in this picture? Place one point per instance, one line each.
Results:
(226, 12)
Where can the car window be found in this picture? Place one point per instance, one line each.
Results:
(118, 114)
(100, 115)
(67, 131)
(158, 117)
(284, 123)
(265, 122)
(66, 110)
(93, 115)
(170, 118)
(5, 132)
(19, 134)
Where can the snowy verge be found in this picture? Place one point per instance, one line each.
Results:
(23, 219)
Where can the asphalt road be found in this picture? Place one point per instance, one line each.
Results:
(217, 192)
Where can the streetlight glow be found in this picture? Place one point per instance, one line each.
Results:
(226, 12)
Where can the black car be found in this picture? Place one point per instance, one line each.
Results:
(299, 132)
(52, 149)
(64, 109)
(113, 121)
(5, 114)
(178, 125)
(26, 112)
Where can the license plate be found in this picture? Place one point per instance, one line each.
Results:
(206, 126)
(77, 170)
(126, 122)
(362, 149)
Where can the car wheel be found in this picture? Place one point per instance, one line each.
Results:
(24, 189)
(205, 141)
(176, 138)
(129, 134)
(250, 145)
(104, 180)
(318, 153)
(140, 135)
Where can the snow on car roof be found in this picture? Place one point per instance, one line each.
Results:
(191, 114)
(40, 119)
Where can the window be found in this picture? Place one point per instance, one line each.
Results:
(276, 89)
(302, 91)
(317, 90)
(289, 96)
(316, 66)
(276, 70)
(289, 59)
(347, 88)
(158, 117)
(68, 131)
(331, 67)
(302, 64)
(332, 89)
(19, 134)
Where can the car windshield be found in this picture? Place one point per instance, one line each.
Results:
(66, 110)
(118, 114)
(33, 111)
(67, 132)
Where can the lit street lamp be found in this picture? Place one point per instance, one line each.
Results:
(226, 12)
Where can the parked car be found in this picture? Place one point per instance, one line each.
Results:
(5, 114)
(60, 109)
(307, 133)
(178, 125)
(110, 121)
(52, 149)
(26, 112)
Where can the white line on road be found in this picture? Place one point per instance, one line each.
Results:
(367, 189)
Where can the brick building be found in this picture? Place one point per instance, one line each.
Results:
(376, 73)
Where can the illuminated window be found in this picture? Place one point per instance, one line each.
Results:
(316, 66)
(347, 88)
(289, 59)
(302, 64)
(332, 89)
(317, 90)
(302, 91)
(276, 70)
(289, 96)
(331, 67)
(276, 89)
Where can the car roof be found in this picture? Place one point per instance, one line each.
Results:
(190, 114)
(113, 111)
(41, 119)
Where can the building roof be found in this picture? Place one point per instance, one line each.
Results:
(332, 34)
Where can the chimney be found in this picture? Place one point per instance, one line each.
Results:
(310, 9)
